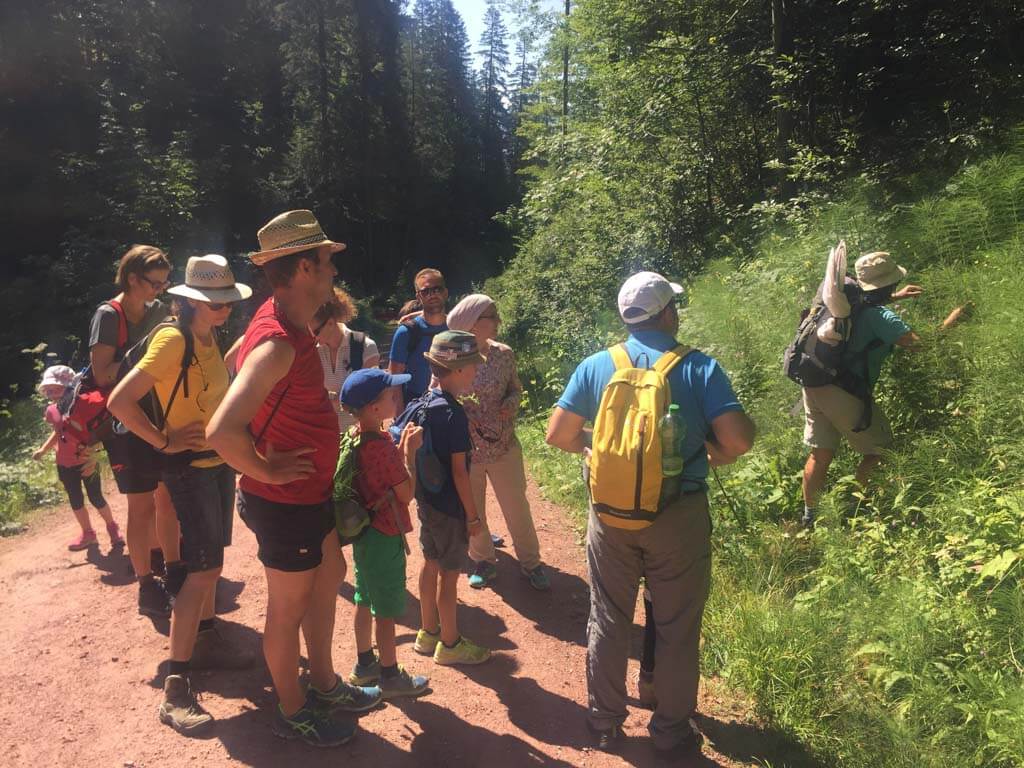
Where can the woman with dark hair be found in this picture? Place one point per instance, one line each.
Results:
(201, 485)
(341, 349)
(116, 326)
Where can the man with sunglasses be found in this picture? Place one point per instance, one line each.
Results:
(412, 340)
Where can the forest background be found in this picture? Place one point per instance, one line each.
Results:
(724, 143)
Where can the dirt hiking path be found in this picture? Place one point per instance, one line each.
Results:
(80, 670)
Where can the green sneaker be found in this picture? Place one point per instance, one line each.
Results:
(367, 674)
(404, 684)
(426, 642)
(538, 578)
(348, 698)
(180, 708)
(464, 652)
(483, 574)
(313, 726)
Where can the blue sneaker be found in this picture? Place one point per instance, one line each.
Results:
(347, 698)
(314, 726)
(538, 578)
(365, 674)
(484, 573)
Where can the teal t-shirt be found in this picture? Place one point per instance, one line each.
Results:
(873, 323)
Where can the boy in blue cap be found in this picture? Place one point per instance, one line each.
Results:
(384, 483)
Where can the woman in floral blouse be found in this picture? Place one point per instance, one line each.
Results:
(492, 407)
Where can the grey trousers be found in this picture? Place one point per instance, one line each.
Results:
(674, 556)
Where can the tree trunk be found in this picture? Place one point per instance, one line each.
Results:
(782, 46)
(565, 72)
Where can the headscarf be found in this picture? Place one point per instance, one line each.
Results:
(465, 314)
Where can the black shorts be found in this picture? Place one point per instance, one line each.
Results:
(204, 501)
(137, 466)
(72, 480)
(290, 536)
(443, 538)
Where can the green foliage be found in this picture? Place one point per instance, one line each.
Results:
(24, 483)
(893, 637)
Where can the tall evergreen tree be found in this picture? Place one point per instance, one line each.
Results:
(494, 117)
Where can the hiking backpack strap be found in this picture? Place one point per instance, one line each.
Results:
(356, 345)
(621, 358)
(122, 323)
(671, 358)
(186, 363)
(273, 411)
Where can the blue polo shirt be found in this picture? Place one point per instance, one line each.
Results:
(699, 387)
(415, 364)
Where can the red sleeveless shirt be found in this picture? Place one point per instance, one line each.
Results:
(305, 418)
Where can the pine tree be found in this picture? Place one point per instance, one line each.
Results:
(495, 122)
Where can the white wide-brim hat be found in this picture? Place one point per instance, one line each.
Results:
(289, 233)
(210, 279)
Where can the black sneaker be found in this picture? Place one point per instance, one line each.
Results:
(607, 739)
(175, 578)
(156, 562)
(153, 599)
(685, 749)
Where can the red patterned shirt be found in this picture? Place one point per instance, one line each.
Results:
(381, 468)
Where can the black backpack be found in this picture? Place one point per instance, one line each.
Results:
(356, 345)
(810, 362)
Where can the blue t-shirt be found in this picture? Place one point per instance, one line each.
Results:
(873, 323)
(699, 387)
(415, 364)
(449, 433)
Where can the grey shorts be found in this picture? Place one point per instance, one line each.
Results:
(204, 500)
(443, 538)
(831, 413)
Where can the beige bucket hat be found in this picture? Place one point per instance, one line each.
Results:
(289, 233)
(210, 279)
(877, 270)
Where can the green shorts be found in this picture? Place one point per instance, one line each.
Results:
(380, 573)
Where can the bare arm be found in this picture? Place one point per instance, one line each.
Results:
(565, 431)
(228, 430)
(733, 435)
(46, 447)
(104, 367)
(231, 356)
(124, 404)
(408, 444)
(394, 367)
(460, 474)
(513, 396)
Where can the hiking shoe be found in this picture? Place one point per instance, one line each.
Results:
(156, 561)
(688, 747)
(606, 739)
(538, 578)
(464, 652)
(116, 539)
(347, 698)
(426, 642)
(212, 651)
(365, 674)
(645, 690)
(484, 573)
(153, 599)
(807, 519)
(403, 684)
(84, 540)
(180, 708)
(313, 726)
(175, 578)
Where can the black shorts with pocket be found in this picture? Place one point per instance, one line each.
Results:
(290, 536)
(204, 501)
(137, 466)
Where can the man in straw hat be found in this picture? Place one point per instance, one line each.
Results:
(278, 429)
(834, 411)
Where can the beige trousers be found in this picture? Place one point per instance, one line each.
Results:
(508, 479)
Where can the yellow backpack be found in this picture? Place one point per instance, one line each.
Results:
(625, 458)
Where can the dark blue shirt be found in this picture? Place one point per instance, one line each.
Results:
(415, 364)
(449, 434)
(699, 387)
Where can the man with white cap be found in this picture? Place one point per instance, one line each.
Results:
(835, 411)
(673, 552)
(278, 429)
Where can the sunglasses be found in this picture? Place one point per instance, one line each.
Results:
(431, 290)
(488, 317)
(316, 331)
(157, 285)
(217, 306)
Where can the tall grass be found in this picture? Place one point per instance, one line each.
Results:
(896, 639)
(24, 483)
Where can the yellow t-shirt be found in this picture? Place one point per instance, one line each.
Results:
(207, 381)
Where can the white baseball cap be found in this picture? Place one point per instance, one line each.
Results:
(644, 295)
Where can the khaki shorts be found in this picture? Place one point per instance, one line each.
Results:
(831, 413)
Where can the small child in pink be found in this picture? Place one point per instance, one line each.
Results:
(74, 467)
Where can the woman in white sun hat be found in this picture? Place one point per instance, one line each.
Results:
(201, 484)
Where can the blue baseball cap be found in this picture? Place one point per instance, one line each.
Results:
(364, 386)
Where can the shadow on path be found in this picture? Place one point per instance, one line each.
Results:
(749, 743)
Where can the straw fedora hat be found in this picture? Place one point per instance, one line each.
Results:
(291, 232)
(210, 279)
